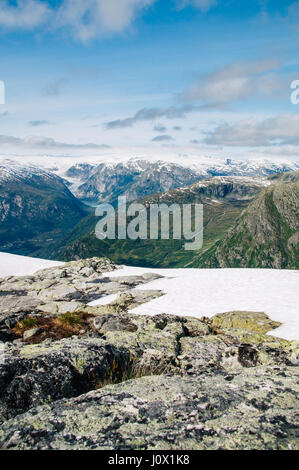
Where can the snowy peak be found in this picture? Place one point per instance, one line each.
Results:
(10, 171)
(133, 179)
(250, 168)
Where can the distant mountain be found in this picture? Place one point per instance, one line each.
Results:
(41, 216)
(133, 179)
(224, 198)
(36, 209)
(260, 168)
(238, 189)
(137, 178)
(266, 235)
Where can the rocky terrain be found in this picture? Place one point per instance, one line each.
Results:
(77, 376)
(266, 235)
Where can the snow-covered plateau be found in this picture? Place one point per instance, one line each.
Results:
(205, 292)
(200, 292)
(15, 265)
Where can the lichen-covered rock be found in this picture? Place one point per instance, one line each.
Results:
(68, 289)
(61, 307)
(251, 409)
(257, 322)
(211, 383)
(250, 328)
(200, 354)
(106, 323)
(125, 345)
(41, 373)
(28, 334)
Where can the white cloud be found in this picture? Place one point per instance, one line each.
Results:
(91, 18)
(85, 20)
(150, 114)
(36, 142)
(26, 14)
(203, 5)
(280, 130)
(235, 82)
(162, 138)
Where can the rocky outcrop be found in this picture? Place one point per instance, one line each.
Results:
(63, 289)
(98, 377)
(122, 346)
(252, 409)
(266, 235)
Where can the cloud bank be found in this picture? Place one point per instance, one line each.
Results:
(150, 114)
(203, 5)
(44, 143)
(90, 18)
(26, 14)
(280, 130)
(162, 138)
(84, 20)
(235, 82)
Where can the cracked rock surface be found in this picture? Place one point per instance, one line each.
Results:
(96, 377)
(252, 409)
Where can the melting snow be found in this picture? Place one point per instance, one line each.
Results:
(15, 265)
(108, 299)
(198, 292)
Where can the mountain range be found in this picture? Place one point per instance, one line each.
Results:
(250, 211)
(266, 235)
(136, 178)
(36, 209)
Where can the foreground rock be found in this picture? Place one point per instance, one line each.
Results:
(123, 346)
(256, 409)
(76, 376)
(64, 289)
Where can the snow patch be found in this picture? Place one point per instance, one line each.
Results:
(15, 265)
(108, 299)
(205, 292)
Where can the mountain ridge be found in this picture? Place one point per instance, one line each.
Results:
(266, 234)
(36, 208)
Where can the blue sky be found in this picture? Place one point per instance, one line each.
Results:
(205, 76)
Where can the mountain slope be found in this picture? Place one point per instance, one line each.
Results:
(36, 209)
(137, 178)
(266, 235)
(223, 198)
(252, 168)
(133, 179)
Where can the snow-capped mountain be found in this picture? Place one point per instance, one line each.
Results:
(36, 208)
(133, 179)
(11, 171)
(250, 168)
(137, 178)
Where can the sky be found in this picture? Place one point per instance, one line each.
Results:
(134, 77)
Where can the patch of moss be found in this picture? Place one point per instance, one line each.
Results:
(26, 324)
(70, 319)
